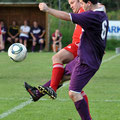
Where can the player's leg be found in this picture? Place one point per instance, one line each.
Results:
(33, 45)
(41, 42)
(16, 39)
(63, 56)
(9, 39)
(60, 46)
(0, 42)
(25, 42)
(81, 75)
(38, 94)
(20, 40)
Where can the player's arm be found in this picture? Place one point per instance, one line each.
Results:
(43, 33)
(59, 14)
(32, 36)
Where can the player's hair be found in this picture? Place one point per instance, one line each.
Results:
(92, 1)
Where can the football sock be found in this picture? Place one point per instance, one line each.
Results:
(82, 109)
(47, 84)
(86, 99)
(57, 74)
(41, 46)
(33, 47)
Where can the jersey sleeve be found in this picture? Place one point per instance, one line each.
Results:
(53, 35)
(83, 19)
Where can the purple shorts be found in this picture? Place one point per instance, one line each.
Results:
(24, 38)
(81, 74)
(69, 67)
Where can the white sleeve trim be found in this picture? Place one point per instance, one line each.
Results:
(70, 17)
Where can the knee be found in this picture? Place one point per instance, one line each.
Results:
(55, 57)
(75, 96)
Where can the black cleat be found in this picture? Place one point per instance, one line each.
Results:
(33, 91)
(47, 90)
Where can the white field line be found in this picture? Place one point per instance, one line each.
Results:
(22, 105)
(5, 114)
(58, 99)
(109, 59)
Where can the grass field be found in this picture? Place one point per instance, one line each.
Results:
(103, 90)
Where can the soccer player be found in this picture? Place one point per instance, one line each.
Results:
(13, 33)
(37, 33)
(91, 48)
(57, 37)
(3, 32)
(24, 33)
(69, 52)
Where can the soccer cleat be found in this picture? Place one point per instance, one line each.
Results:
(33, 91)
(47, 90)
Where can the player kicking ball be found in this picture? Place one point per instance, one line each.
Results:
(90, 52)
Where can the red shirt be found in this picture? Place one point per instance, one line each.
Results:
(78, 31)
(58, 37)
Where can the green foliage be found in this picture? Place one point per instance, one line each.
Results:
(66, 28)
(112, 44)
(114, 15)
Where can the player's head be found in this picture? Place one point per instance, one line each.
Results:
(35, 24)
(14, 23)
(75, 5)
(25, 22)
(57, 31)
(2, 23)
(88, 4)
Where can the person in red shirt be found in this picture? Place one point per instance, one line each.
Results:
(57, 37)
(66, 55)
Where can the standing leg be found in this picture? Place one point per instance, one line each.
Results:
(81, 75)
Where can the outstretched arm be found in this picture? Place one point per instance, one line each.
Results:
(59, 14)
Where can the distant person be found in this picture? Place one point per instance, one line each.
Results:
(13, 33)
(57, 37)
(24, 33)
(37, 33)
(3, 33)
(0, 38)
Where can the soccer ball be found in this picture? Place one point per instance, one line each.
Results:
(17, 52)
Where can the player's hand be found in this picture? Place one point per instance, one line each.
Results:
(43, 7)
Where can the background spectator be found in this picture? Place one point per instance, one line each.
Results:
(3, 33)
(24, 33)
(57, 37)
(0, 38)
(13, 33)
(37, 33)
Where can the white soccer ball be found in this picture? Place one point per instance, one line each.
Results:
(17, 52)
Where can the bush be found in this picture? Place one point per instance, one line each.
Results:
(112, 44)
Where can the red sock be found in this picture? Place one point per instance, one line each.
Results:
(86, 99)
(57, 74)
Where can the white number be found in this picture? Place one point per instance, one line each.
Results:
(104, 29)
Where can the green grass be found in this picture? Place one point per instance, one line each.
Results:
(36, 69)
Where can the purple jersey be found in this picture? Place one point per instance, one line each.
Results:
(37, 31)
(4, 30)
(93, 40)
